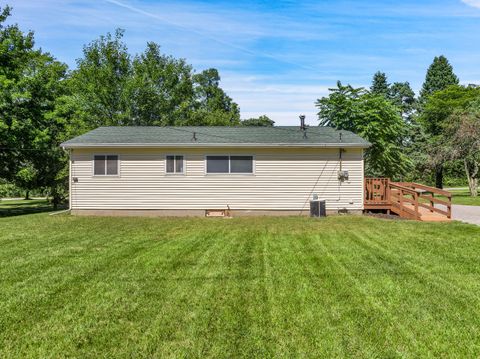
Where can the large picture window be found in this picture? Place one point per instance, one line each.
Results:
(105, 165)
(174, 164)
(229, 164)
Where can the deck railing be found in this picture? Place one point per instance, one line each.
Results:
(407, 199)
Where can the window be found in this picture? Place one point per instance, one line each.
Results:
(105, 165)
(174, 164)
(229, 164)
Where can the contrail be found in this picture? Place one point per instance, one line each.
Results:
(202, 34)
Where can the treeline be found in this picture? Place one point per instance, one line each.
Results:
(43, 102)
(430, 138)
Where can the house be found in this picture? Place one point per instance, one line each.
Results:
(191, 170)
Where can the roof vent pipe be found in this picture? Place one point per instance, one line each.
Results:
(302, 122)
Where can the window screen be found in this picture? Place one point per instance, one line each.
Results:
(105, 165)
(217, 164)
(99, 165)
(179, 164)
(241, 164)
(112, 165)
(170, 164)
(174, 164)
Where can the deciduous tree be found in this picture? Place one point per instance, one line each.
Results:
(374, 118)
(262, 121)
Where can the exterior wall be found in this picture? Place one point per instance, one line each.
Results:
(283, 179)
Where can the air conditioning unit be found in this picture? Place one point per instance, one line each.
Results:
(318, 208)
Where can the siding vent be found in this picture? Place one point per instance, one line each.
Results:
(215, 213)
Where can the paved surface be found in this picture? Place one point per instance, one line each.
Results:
(469, 214)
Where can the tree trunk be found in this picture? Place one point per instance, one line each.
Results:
(472, 177)
(439, 176)
(27, 195)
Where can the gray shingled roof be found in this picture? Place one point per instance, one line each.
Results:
(149, 136)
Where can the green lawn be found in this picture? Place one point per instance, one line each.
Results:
(463, 197)
(244, 287)
(10, 207)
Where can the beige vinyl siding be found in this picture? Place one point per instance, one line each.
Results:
(283, 179)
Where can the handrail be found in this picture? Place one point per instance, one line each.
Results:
(395, 185)
(405, 197)
(426, 188)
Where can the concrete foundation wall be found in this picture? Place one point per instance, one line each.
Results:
(188, 213)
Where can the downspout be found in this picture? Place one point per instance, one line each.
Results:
(70, 179)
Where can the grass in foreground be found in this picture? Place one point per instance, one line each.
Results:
(245, 287)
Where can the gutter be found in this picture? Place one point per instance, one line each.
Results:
(200, 145)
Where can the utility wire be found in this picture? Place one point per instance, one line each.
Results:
(313, 188)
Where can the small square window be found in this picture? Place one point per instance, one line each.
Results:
(105, 165)
(174, 164)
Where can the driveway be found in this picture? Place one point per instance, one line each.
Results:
(469, 214)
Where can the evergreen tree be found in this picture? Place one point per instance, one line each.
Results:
(439, 76)
(380, 84)
(402, 96)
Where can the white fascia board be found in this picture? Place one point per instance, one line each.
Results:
(209, 145)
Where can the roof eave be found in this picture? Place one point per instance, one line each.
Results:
(207, 145)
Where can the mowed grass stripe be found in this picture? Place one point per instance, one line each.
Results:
(425, 289)
(246, 287)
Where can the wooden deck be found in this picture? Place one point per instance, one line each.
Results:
(408, 200)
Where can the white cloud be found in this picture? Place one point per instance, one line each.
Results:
(473, 3)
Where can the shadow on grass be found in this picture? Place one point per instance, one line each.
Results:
(9, 208)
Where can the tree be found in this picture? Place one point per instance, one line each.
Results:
(213, 106)
(462, 139)
(99, 84)
(112, 88)
(380, 85)
(30, 83)
(161, 89)
(402, 96)
(16, 51)
(374, 118)
(440, 105)
(439, 76)
(262, 121)
(435, 114)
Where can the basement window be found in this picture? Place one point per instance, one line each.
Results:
(230, 164)
(105, 165)
(174, 164)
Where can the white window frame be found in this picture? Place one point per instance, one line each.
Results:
(105, 154)
(229, 165)
(175, 173)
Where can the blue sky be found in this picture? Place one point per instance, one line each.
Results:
(274, 57)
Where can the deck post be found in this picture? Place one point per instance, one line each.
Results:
(417, 214)
(449, 207)
(400, 199)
